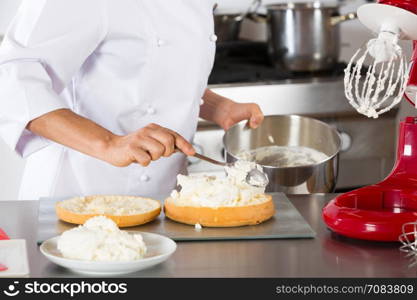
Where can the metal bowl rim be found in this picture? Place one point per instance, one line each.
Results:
(302, 5)
(221, 15)
(295, 167)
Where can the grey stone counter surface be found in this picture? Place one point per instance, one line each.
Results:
(327, 255)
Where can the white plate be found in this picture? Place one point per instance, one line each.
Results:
(159, 249)
(13, 255)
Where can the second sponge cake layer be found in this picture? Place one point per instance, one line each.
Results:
(227, 216)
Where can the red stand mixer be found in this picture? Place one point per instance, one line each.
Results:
(378, 212)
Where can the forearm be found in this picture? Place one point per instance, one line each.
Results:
(67, 128)
(213, 105)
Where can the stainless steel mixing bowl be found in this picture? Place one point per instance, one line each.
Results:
(290, 130)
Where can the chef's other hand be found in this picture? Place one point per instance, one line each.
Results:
(233, 112)
(145, 145)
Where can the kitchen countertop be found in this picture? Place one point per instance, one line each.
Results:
(328, 255)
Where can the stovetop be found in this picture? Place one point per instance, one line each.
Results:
(248, 62)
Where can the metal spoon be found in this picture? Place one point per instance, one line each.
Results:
(254, 175)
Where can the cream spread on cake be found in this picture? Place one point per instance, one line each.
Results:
(99, 239)
(109, 205)
(211, 191)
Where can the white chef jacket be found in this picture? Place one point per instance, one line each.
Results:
(121, 63)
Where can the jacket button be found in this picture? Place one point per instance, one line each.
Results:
(160, 42)
(213, 37)
(151, 110)
(144, 178)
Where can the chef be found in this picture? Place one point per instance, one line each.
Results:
(97, 94)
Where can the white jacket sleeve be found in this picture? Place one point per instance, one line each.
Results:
(44, 47)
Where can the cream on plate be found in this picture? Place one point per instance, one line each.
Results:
(99, 239)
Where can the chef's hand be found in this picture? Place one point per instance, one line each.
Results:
(233, 113)
(227, 113)
(145, 145)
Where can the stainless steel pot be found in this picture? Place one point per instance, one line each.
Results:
(290, 130)
(227, 27)
(305, 36)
